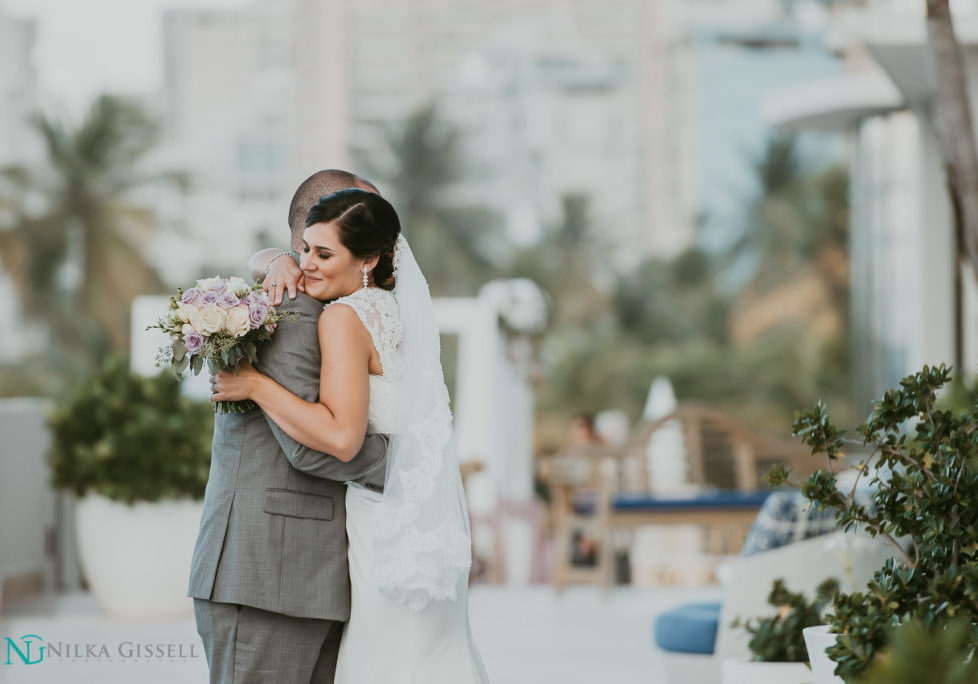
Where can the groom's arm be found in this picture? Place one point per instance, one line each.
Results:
(292, 359)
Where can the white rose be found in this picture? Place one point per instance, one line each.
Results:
(206, 284)
(193, 316)
(211, 318)
(239, 322)
(182, 313)
(238, 286)
(186, 329)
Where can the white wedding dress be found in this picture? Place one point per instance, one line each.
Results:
(385, 642)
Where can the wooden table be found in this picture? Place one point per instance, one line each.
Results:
(727, 515)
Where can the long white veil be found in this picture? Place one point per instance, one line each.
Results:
(422, 543)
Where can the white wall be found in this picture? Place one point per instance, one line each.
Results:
(28, 512)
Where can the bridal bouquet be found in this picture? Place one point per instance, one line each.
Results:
(220, 321)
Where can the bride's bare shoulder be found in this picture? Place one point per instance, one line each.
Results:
(341, 319)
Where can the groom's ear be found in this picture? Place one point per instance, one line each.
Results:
(297, 242)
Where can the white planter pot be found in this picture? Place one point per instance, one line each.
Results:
(137, 558)
(817, 639)
(742, 671)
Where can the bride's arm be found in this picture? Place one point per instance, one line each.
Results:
(337, 423)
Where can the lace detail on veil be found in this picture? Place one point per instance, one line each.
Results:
(416, 563)
(422, 545)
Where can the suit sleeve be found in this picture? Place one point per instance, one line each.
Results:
(292, 359)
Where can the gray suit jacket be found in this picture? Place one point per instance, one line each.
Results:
(273, 531)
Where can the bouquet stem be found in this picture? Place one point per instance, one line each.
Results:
(234, 406)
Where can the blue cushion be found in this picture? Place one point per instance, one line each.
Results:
(723, 499)
(719, 499)
(691, 628)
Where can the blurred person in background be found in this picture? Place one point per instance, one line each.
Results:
(583, 432)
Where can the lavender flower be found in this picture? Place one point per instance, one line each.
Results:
(210, 297)
(228, 300)
(192, 296)
(194, 341)
(257, 313)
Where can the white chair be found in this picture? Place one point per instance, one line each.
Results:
(746, 581)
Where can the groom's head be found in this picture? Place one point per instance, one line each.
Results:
(311, 189)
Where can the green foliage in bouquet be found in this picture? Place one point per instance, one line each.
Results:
(130, 438)
(779, 639)
(923, 473)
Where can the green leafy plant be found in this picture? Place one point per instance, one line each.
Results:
(923, 476)
(920, 654)
(130, 438)
(779, 639)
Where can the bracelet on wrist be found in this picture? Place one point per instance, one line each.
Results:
(271, 261)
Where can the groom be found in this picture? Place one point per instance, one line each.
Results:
(269, 575)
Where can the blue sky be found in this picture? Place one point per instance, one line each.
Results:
(733, 84)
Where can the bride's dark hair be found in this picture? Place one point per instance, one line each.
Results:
(367, 224)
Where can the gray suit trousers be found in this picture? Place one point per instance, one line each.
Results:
(246, 645)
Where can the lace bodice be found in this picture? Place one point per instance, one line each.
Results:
(378, 311)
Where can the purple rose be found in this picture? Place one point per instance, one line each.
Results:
(194, 341)
(228, 300)
(257, 313)
(192, 296)
(210, 296)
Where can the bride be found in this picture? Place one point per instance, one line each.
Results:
(409, 548)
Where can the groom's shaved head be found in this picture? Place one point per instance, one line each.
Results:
(315, 186)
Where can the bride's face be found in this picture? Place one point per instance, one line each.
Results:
(330, 268)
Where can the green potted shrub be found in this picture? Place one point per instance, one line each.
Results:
(136, 454)
(923, 476)
(920, 654)
(777, 645)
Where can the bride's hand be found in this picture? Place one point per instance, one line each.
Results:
(235, 386)
(283, 274)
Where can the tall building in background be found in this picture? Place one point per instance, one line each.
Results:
(229, 122)
(18, 94)
(18, 145)
(549, 98)
(649, 107)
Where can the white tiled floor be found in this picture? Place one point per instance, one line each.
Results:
(527, 636)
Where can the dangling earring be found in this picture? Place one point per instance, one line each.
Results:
(364, 275)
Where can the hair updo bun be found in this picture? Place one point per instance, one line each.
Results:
(384, 270)
(367, 225)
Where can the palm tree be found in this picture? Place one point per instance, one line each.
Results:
(569, 262)
(69, 239)
(454, 243)
(795, 219)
